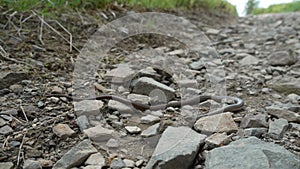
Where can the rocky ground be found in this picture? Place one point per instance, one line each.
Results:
(255, 58)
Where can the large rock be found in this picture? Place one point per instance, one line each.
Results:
(281, 58)
(282, 112)
(76, 156)
(251, 153)
(286, 87)
(147, 85)
(177, 148)
(216, 124)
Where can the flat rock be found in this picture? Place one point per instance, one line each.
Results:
(31, 164)
(281, 112)
(251, 153)
(177, 148)
(257, 132)
(122, 74)
(122, 108)
(133, 129)
(99, 133)
(217, 139)
(281, 58)
(88, 107)
(63, 130)
(151, 131)
(216, 124)
(76, 156)
(96, 159)
(6, 165)
(286, 87)
(249, 60)
(252, 121)
(149, 119)
(117, 163)
(82, 122)
(277, 128)
(10, 78)
(147, 85)
(6, 130)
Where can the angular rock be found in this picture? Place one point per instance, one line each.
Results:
(6, 130)
(198, 65)
(88, 107)
(117, 163)
(9, 112)
(177, 148)
(99, 133)
(147, 85)
(277, 128)
(212, 31)
(82, 122)
(151, 131)
(63, 130)
(96, 159)
(251, 153)
(6, 165)
(112, 143)
(283, 113)
(122, 108)
(133, 129)
(281, 58)
(249, 60)
(217, 139)
(257, 132)
(128, 163)
(76, 156)
(216, 124)
(149, 119)
(31, 164)
(10, 78)
(187, 83)
(139, 98)
(46, 163)
(252, 121)
(286, 87)
(122, 74)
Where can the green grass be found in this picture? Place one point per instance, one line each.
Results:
(51, 5)
(279, 8)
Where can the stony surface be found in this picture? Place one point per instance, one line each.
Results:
(251, 153)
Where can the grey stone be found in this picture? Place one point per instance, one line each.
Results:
(96, 159)
(82, 122)
(187, 83)
(294, 98)
(57, 89)
(139, 98)
(63, 130)
(117, 163)
(283, 113)
(6, 165)
(31, 164)
(115, 105)
(10, 112)
(252, 121)
(249, 60)
(128, 163)
(198, 65)
(251, 153)
(10, 78)
(6, 130)
(147, 85)
(151, 131)
(122, 74)
(16, 88)
(281, 58)
(88, 107)
(76, 156)
(257, 132)
(216, 124)
(212, 31)
(99, 133)
(277, 128)
(177, 148)
(3, 122)
(133, 129)
(112, 143)
(217, 139)
(149, 119)
(286, 87)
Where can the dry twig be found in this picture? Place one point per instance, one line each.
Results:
(20, 149)
(24, 113)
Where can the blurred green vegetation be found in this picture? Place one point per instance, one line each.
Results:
(279, 8)
(47, 6)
